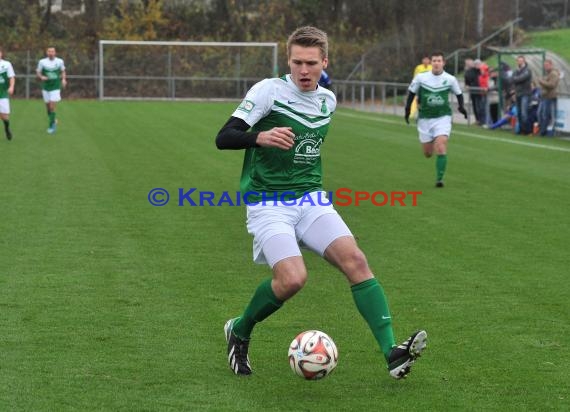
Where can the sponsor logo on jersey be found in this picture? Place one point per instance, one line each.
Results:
(246, 106)
(309, 148)
(435, 100)
(324, 108)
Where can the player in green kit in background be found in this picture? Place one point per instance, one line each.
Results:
(51, 71)
(289, 118)
(434, 119)
(7, 82)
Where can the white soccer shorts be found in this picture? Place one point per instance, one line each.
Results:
(278, 229)
(429, 129)
(53, 96)
(5, 106)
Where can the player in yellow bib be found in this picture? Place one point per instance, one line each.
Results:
(424, 66)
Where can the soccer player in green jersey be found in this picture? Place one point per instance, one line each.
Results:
(51, 71)
(282, 181)
(7, 82)
(434, 119)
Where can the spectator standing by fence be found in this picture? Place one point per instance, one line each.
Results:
(522, 78)
(547, 109)
(484, 76)
(471, 77)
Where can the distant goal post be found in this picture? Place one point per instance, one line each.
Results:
(169, 70)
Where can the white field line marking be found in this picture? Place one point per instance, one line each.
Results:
(459, 132)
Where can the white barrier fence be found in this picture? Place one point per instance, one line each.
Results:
(563, 114)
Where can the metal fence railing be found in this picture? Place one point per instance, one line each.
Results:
(381, 97)
(389, 97)
(143, 87)
(368, 95)
(454, 58)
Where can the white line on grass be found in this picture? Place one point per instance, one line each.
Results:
(459, 132)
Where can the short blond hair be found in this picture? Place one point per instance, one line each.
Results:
(309, 36)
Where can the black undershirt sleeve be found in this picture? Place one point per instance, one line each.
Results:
(410, 100)
(234, 135)
(460, 100)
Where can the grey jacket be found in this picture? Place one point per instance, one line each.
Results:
(522, 78)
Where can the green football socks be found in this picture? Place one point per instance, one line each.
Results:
(263, 304)
(368, 296)
(440, 165)
(373, 306)
(51, 116)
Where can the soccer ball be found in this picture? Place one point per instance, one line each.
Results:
(313, 355)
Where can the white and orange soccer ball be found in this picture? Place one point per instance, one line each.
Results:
(313, 355)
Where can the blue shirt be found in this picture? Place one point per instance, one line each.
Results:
(325, 80)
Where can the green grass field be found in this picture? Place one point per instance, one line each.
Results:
(550, 40)
(555, 40)
(109, 303)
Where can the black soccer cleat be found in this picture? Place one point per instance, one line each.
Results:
(405, 354)
(439, 183)
(238, 358)
(8, 135)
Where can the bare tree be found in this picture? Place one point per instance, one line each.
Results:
(92, 20)
(47, 17)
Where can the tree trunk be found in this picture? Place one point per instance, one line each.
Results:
(47, 17)
(92, 20)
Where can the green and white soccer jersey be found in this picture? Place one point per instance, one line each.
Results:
(6, 72)
(52, 70)
(433, 93)
(279, 103)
